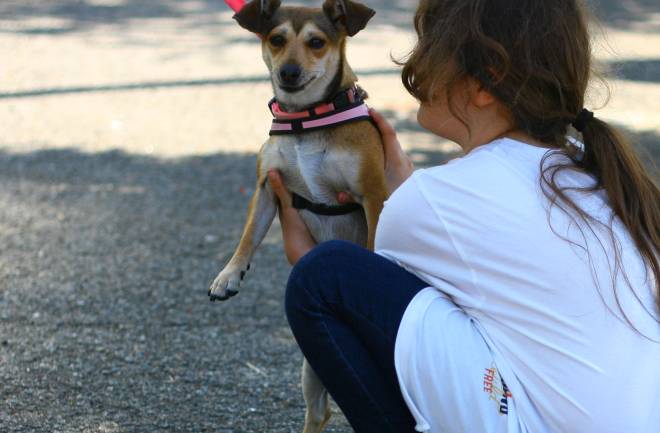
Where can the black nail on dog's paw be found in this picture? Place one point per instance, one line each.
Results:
(248, 267)
(230, 294)
(242, 275)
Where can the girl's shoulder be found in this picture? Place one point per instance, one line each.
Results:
(496, 163)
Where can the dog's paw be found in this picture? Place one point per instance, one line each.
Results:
(227, 283)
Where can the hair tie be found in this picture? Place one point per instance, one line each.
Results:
(582, 119)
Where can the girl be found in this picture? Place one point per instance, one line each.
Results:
(514, 289)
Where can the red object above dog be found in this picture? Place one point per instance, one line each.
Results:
(236, 5)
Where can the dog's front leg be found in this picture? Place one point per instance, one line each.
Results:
(261, 213)
(374, 193)
(373, 205)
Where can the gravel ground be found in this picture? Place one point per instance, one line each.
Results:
(125, 179)
(105, 324)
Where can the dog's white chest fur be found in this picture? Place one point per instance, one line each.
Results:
(317, 169)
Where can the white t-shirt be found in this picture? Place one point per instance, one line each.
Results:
(480, 230)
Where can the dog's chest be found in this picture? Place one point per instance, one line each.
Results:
(312, 166)
(318, 169)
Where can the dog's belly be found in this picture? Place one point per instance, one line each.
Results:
(315, 169)
(352, 227)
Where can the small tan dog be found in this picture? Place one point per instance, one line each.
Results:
(322, 142)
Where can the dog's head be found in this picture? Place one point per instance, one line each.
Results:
(304, 48)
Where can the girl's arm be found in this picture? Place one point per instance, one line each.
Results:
(297, 239)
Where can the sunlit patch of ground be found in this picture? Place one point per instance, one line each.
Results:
(186, 80)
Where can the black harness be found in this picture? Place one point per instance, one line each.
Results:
(302, 203)
(344, 101)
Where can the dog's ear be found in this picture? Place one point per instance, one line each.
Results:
(256, 15)
(351, 16)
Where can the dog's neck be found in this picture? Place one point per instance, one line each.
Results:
(347, 106)
(344, 78)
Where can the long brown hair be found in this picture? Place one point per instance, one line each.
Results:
(534, 56)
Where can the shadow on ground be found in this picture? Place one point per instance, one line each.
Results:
(163, 84)
(105, 260)
(635, 70)
(648, 147)
(625, 14)
(79, 15)
(67, 16)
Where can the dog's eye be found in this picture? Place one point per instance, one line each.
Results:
(277, 41)
(316, 43)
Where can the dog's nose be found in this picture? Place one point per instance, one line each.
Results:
(290, 74)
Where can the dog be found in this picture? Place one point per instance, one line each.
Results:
(322, 141)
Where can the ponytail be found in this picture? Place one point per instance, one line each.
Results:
(632, 193)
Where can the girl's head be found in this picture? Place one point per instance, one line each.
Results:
(534, 58)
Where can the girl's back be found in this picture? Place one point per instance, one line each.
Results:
(538, 282)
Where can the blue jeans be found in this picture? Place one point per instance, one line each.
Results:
(344, 305)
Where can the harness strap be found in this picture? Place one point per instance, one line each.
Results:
(302, 203)
(346, 107)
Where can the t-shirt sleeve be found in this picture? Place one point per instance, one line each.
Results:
(412, 234)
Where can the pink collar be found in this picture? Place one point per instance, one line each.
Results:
(348, 106)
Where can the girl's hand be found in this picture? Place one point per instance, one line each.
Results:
(297, 239)
(398, 167)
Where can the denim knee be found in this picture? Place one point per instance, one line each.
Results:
(311, 275)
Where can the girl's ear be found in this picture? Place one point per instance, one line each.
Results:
(348, 15)
(256, 15)
(479, 94)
